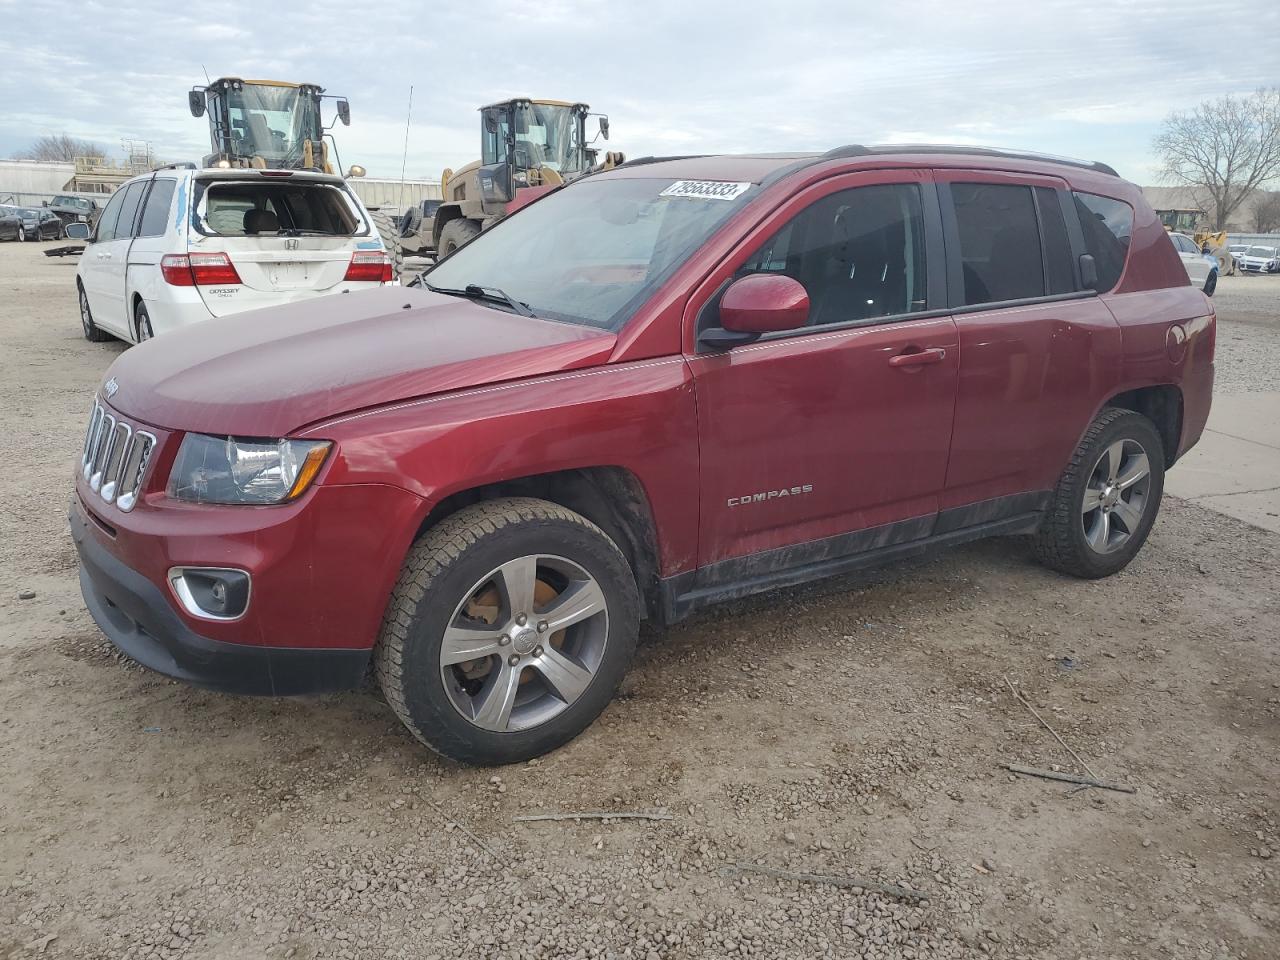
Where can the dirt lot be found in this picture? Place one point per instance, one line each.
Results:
(852, 728)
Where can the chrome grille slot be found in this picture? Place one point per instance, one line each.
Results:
(115, 458)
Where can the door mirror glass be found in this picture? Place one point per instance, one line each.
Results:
(764, 303)
(344, 112)
(1088, 272)
(195, 100)
(77, 231)
(604, 127)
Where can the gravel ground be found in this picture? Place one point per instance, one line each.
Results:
(852, 728)
(1248, 359)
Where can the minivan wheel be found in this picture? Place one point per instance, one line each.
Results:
(1211, 284)
(509, 630)
(92, 332)
(1106, 500)
(142, 323)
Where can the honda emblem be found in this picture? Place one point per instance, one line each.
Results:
(291, 243)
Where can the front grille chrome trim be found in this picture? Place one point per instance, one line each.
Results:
(115, 458)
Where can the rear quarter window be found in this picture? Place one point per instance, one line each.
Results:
(1108, 227)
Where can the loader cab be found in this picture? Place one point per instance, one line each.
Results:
(265, 124)
(528, 143)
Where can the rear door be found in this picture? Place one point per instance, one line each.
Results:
(287, 240)
(1036, 350)
(830, 440)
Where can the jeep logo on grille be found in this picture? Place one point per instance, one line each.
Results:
(110, 388)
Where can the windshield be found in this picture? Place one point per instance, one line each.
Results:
(593, 252)
(1261, 252)
(272, 122)
(545, 136)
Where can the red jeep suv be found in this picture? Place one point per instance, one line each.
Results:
(678, 382)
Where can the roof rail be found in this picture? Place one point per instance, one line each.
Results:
(177, 165)
(858, 150)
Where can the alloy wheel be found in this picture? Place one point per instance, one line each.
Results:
(1117, 496)
(86, 320)
(524, 643)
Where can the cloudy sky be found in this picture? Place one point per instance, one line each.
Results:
(1082, 78)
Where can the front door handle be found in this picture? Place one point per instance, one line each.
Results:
(918, 358)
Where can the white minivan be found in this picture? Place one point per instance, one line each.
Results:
(180, 246)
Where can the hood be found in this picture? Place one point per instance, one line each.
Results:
(267, 373)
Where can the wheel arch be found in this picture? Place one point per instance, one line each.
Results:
(1162, 405)
(445, 213)
(610, 497)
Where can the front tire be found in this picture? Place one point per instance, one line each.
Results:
(508, 632)
(22, 233)
(1211, 284)
(454, 234)
(92, 332)
(1106, 500)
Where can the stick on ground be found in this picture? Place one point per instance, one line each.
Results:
(1069, 778)
(1044, 723)
(448, 819)
(888, 889)
(659, 814)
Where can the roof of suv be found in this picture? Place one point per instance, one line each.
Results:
(767, 167)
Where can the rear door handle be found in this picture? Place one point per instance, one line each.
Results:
(918, 358)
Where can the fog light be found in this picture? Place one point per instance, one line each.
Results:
(214, 593)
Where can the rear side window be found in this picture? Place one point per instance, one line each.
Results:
(999, 242)
(155, 215)
(269, 209)
(859, 254)
(1107, 226)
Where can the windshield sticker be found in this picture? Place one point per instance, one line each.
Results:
(706, 189)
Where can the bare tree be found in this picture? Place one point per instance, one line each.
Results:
(1266, 213)
(61, 147)
(1224, 149)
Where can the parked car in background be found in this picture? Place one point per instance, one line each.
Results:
(40, 224)
(1237, 251)
(674, 383)
(1260, 259)
(11, 223)
(179, 246)
(1202, 269)
(73, 209)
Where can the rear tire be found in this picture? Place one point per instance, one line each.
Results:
(1107, 498)
(387, 229)
(142, 323)
(472, 662)
(455, 234)
(92, 332)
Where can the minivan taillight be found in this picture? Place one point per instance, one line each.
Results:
(369, 265)
(198, 269)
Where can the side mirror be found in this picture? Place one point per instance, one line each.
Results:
(344, 112)
(195, 100)
(758, 304)
(77, 231)
(604, 127)
(356, 171)
(1088, 272)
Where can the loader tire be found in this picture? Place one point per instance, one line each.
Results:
(455, 234)
(389, 231)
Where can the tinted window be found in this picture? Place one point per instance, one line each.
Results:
(107, 222)
(1059, 270)
(859, 253)
(155, 215)
(114, 229)
(1107, 226)
(999, 242)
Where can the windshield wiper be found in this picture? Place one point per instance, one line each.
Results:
(474, 291)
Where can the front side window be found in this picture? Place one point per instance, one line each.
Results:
(107, 223)
(999, 242)
(858, 253)
(1107, 226)
(591, 253)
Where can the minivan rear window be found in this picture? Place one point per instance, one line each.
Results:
(1107, 226)
(248, 209)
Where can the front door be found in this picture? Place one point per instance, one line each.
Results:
(833, 439)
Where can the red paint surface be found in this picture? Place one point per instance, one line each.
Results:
(444, 395)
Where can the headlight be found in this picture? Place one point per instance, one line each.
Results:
(231, 470)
